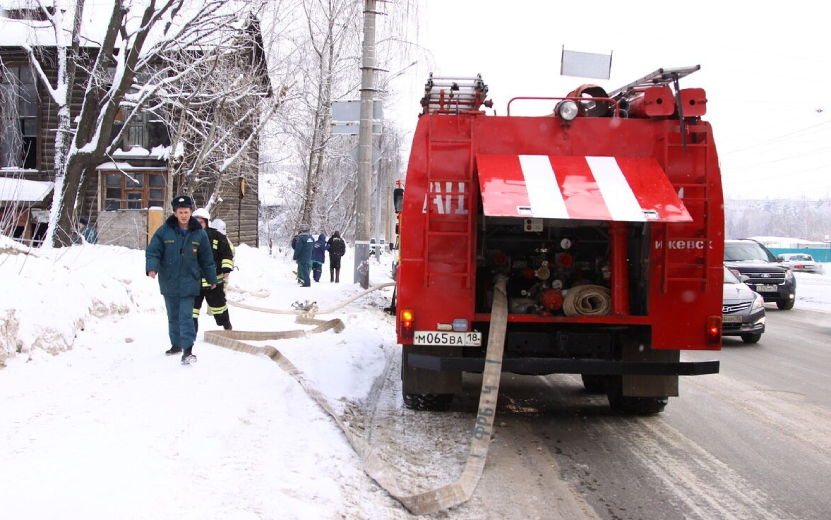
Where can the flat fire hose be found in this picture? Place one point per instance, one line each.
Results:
(445, 497)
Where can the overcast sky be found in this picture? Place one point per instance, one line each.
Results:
(765, 69)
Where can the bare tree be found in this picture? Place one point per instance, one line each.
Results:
(217, 111)
(327, 57)
(138, 36)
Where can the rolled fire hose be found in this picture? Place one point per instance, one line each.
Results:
(587, 300)
(447, 496)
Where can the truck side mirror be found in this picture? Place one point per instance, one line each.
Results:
(398, 199)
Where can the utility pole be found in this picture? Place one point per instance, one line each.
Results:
(364, 195)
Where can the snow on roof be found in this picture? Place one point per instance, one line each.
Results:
(22, 190)
(96, 17)
(126, 167)
(21, 33)
(135, 151)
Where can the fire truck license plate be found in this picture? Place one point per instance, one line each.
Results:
(766, 288)
(450, 339)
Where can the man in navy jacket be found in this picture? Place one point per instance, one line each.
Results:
(180, 253)
(303, 246)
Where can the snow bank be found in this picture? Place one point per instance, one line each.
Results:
(51, 294)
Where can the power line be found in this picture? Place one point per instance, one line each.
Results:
(777, 138)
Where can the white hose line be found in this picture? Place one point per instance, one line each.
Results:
(587, 300)
(301, 312)
(445, 497)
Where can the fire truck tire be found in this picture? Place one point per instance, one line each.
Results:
(594, 383)
(785, 305)
(751, 338)
(428, 402)
(632, 405)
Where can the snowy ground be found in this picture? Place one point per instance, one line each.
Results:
(111, 428)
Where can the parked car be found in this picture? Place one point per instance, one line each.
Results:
(743, 310)
(374, 247)
(765, 274)
(800, 262)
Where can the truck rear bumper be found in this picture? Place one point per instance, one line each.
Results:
(542, 366)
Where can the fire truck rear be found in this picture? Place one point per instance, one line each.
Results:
(605, 218)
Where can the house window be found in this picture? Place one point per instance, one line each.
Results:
(145, 131)
(19, 110)
(133, 190)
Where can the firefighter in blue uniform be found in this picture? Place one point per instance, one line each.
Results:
(180, 254)
(303, 245)
(223, 255)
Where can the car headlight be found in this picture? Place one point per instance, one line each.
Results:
(758, 301)
(788, 275)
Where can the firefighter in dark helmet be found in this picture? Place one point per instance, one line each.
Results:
(224, 260)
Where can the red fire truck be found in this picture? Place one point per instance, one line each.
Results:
(605, 217)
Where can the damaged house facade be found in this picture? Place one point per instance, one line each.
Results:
(203, 146)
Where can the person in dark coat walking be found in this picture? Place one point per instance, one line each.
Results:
(319, 256)
(180, 254)
(223, 255)
(337, 248)
(303, 254)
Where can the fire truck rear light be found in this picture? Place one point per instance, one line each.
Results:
(714, 329)
(407, 323)
(567, 110)
(460, 325)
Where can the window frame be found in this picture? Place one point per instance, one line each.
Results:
(134, 189)
(28, 160)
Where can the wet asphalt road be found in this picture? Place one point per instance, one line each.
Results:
(752, 442)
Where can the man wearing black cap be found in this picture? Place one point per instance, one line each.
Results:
(178, 252)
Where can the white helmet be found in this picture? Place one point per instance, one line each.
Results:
(219, 225)
(202, 213)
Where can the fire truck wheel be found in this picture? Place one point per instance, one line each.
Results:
(632, 405)
(751, 338)
(785, 305)
(594, 383)
(428, 402)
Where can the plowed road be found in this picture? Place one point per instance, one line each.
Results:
(753, 442)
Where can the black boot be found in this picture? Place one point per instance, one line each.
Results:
(173, 351)
(331, 274)
(337, 275)
(225, 320)
(187, 356)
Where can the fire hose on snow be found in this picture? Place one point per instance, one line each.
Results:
(447, 496)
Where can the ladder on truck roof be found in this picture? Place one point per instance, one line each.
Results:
(453, 95)
(659, 77)
(461, 222)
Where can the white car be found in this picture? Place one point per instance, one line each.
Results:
(802, 262)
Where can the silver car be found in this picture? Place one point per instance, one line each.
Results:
(800, 262)
(743, 310)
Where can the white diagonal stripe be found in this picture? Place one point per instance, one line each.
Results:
(543, 190)
(617, 194)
